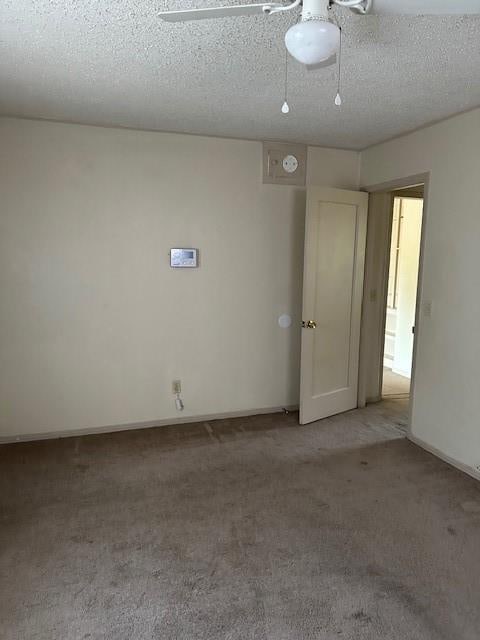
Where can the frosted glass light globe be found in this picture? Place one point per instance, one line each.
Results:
(312, 41)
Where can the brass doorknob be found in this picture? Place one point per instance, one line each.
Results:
(310, 324)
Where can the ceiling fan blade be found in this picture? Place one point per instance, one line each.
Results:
(424, 7)
(219, 12)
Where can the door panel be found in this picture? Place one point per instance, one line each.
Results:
(332, 297)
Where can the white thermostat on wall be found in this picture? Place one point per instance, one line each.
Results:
(183, 258)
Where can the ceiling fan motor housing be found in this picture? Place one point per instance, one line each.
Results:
(315, 10)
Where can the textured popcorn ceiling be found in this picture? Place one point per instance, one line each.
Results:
(113, 62)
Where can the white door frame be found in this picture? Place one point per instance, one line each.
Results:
(365, 367)
(375, 288)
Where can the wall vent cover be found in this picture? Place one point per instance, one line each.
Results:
(284, 163)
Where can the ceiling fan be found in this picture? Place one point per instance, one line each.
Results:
(315, 39)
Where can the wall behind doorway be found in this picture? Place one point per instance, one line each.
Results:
(94, 325)
(402, 288)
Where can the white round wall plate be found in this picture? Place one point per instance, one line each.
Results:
(284, 321)
(290, 164)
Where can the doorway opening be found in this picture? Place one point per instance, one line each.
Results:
(383, 292)
(401, 300)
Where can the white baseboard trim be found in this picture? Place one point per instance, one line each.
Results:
(445, 457)
(71, 433)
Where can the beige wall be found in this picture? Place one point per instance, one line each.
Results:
(94, 325)
(446, 406)
(408, 262)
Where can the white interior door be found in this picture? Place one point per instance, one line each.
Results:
(335, 234)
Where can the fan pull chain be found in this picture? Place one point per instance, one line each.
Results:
(338, 97)
(285, 107)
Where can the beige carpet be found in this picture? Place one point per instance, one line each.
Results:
(246, 529)
(394, 384)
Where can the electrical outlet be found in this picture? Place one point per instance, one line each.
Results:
(176, 387)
